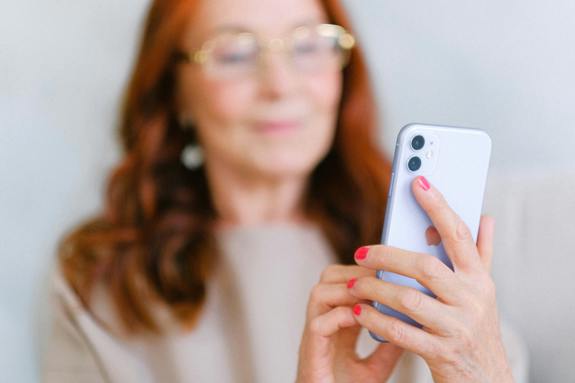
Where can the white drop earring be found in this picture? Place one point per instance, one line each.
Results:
(192, 155)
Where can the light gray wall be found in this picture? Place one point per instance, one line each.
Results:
(506, 66)
(62, 67)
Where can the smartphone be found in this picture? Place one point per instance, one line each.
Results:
(453, 159)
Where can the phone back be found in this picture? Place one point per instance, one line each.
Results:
(456, 161)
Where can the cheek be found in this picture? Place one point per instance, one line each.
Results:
(324, 94)
(219, 109)
(216, 103)
(325, 91)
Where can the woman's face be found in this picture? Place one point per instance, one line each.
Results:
(276, 122)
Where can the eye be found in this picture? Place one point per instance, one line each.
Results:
(234, 54)
(307, 46)
(233, 57)
(234, 50)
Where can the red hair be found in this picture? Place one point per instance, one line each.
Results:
(154, 240)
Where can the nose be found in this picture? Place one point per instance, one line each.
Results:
(277, 77)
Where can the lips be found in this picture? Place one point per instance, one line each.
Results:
(277, 126)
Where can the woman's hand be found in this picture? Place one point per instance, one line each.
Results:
(327, 351)
(460, 338)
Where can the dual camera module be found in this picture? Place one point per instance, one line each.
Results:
(414, 162)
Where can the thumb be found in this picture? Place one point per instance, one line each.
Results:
(384, 359)
(316, 353)
(347, 340)
(485, 240)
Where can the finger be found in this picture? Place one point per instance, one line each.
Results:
(396, 331)
(485, 240)
(337, 273)
(455, 235)
(425, 310)
(426, 269)
(329, 323)
(323, 297)
(317, 344)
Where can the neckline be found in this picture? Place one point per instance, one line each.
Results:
(267, 227)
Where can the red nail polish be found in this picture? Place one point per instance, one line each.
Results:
(361, 253)
(423, 183)
(351, 282)
(357, 309)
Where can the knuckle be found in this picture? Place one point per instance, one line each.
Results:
(410, 300)
(379, 252)
(432, 349)
(315, 326)
(316, 293)
(329, 273)
(448, 356)
(385, 251)
(430, 268)
(462, 232)
(462, 335)
(396, 332)
(439, 203)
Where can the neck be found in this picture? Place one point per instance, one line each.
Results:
(247, 199)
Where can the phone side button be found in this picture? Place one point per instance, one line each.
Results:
(391, 184)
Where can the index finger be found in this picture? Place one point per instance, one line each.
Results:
(337, 273)
(455, 235)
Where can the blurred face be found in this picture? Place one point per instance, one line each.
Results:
(276, 121)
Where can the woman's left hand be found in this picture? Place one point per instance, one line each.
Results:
(460, 339)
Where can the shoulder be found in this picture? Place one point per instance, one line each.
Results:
(70, 353)
(100, 311)
(86, 344)
(67, 304)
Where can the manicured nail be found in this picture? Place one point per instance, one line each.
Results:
(357, 309)
(351, 282)
(423, 182)
(361, 253)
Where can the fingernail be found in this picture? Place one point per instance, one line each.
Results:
(361, 253)
(423, 182)
(351, 282)
(357, 309)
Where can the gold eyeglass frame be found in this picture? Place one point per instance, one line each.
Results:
(345, 40)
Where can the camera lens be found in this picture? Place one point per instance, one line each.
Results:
(414, 163)
(417, 142)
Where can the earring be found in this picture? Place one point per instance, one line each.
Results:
(192, 155)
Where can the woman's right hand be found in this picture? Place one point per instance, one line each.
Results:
(327, 350)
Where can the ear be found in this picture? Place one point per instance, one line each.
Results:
(186, 121)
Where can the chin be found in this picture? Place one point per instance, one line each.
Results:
(296, 165)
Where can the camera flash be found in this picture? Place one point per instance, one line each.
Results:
(429, 154)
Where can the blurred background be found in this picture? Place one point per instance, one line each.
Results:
(506, 66)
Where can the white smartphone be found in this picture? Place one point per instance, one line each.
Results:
(453, 159)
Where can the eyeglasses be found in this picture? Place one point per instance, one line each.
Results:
(239, 54)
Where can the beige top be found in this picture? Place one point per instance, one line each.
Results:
(249, 331)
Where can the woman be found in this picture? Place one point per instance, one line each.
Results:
(250, 168)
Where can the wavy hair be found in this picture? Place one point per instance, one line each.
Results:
(153, 241)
